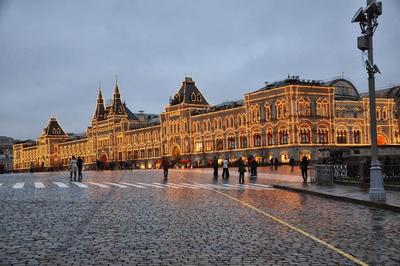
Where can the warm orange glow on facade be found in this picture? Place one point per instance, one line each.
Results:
(292, 118)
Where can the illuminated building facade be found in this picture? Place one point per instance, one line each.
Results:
(289, 118)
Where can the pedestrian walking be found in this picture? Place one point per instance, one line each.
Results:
(291, 162)
(215, 166)
(253, 167)
(73, 168)
(271, 163)
(276, 163)
(304, 168)
(165, 165)
(225, 169)
(79, 163)
(241, 169)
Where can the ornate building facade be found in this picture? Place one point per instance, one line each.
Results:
(289, 118)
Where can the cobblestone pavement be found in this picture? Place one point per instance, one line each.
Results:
(113, 223)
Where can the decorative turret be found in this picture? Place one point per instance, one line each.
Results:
(100, 110)
(189, 94)
(117, 108)
(53, 128)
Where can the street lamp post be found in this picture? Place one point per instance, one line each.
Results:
(368, 22)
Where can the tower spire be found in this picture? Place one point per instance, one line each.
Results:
(100, 112)
(117, 106)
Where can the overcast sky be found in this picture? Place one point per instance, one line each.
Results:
(53, 54)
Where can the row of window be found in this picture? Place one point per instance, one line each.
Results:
(322, 136)
(281, 107)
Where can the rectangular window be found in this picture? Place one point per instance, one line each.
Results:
(198, 146)
(209, 145)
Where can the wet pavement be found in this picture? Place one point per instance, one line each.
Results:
(133, 218)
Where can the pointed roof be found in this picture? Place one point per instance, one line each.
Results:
(189, 94)
(117, 107)
(100, 112)
(53, 128)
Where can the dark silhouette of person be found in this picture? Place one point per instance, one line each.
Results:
(215, 166)
(79, 163)
(291, 162)
(276, 163)
(271, 163)
(241, 169)
(253, 167)
(304, 168)
(165, 165)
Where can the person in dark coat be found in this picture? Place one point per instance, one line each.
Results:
(253, 167)
(241, 169)
(215, 166)
(304, 168)
(271, 163)
(165, 165)
(276, 163)
(79, 163)
(291, 162)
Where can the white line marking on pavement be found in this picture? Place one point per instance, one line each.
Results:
(39, 185)
(218, 186)
(18, 185)
(150, 185)
(98, 184)
(184, 186)
(115, 184)
(132, 185)
(167, 185)
(60, 184)
(260, 185)
(242, 186)
(79, 184)
(198, 185)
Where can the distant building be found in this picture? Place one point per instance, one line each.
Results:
(289, 118)
(6, 154)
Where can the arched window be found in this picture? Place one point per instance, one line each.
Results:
(267, 112)
(281, 109)
(243, 141)
(322, 135)
(219, 144)
(303, 107)
(305, 135)
(257, 139)
(384, 114)
(231, 142)
(198, 145)
(322, 107)
(283, 136)
(208, 144)
(270, 140)
(341, 136)
(357, 136)
(378, 113)
(193, 97)
(255, 114)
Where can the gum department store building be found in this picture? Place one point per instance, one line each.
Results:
(289, 118)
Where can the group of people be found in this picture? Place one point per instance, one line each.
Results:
(76, 165)
(253, 164)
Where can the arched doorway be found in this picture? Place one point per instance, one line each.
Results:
(175, 152)
(104, 161)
